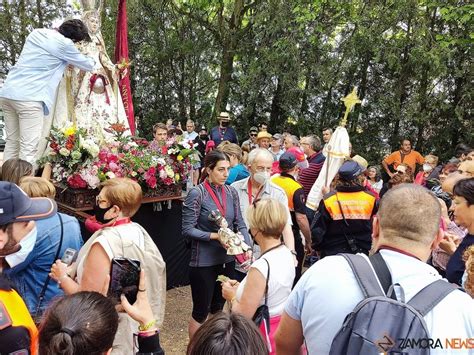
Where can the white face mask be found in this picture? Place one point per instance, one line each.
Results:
(427, 168)
(27, 244)
(261, 177)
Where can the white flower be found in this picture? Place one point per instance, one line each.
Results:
(64, 152)
(169, 171)
(110, 174)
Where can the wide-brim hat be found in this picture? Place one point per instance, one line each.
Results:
(223, 116)
(263, 134)
(17, 206)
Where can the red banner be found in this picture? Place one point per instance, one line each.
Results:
(123, 62)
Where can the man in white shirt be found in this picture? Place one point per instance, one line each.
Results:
(405, 232)
(258, 186)
(29, 90)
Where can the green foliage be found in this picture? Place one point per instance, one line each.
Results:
(275, 59)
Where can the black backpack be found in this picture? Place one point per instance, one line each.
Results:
(382, 324)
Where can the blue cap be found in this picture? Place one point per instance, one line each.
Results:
(350, 170)
(287, 161)
(17, 206)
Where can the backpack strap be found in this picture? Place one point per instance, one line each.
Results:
(364, 275)
(425, 300)
(383, 273)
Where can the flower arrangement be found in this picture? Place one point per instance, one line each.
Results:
(81, 163)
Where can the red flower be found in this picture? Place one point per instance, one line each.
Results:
(164, 150)
(151, 181)
(76, 182)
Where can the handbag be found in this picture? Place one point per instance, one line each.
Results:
(262, 314)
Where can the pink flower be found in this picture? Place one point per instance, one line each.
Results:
(151, 181)
(113, 166)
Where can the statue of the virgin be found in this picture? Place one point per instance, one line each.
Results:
(90, 100)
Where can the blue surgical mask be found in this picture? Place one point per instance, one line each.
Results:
(26, 247)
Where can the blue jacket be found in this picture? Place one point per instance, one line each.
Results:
(237, 173)
(197, 227)
(29, 276)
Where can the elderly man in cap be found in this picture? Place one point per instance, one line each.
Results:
(251, 143)
(32, 236)
(289, 169)
(223, 132)
(343, 221)
(263, 139)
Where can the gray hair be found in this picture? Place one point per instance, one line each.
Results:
(294, 139)
(314, 142)
(257, 153)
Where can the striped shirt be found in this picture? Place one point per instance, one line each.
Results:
(309, 175)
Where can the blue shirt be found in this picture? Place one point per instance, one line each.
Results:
(219, 134)
(29, 276)
(237, 173)
(40, 67)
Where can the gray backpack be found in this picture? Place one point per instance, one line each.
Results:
(382, 324)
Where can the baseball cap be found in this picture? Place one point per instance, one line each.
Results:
(350, 170)
(253, 129)
(287, 161)
(277, 136)
(17, 206)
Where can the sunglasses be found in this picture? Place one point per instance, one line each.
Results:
(253, 135)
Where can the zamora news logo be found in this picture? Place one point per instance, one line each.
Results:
(428, 343)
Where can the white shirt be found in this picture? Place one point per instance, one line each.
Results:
(40, 67)
(270, 191)
(282, 274)
(328, 291)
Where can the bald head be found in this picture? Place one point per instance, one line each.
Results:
(451, 180)
(409, 215)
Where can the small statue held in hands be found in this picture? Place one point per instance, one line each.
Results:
(234, 242)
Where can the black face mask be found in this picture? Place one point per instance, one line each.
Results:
(225, 123)
(100, 212)
(253, 237)
(203, 137)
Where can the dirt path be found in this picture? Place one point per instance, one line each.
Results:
(174, 333)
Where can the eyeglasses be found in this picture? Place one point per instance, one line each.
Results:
(253, 135)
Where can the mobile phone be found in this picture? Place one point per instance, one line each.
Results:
(124, 278)
(69, 256)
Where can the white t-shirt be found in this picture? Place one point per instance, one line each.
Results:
(328, 291)
(282, 274)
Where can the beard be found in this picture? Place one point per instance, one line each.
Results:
(11, 246)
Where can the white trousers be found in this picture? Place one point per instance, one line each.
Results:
(23, 126)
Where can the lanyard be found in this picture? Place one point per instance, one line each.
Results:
(222, 207)
(249, 191)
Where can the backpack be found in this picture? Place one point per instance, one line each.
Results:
(379, 322)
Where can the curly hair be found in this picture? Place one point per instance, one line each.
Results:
(468, 258)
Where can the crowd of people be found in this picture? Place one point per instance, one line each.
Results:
(403, 232)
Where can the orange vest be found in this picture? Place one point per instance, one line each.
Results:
(289, 185)
(355, 205)
(19, 316)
